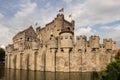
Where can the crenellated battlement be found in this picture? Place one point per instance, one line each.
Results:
(53, 48)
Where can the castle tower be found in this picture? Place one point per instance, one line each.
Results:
(94, 43)
(81, 43)
(52, 44)
(66, 40)
(107, 44)
(56, 26)
(113, 45)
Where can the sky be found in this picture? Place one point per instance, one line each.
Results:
(92, 17)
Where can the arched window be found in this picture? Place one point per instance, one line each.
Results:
(66, 37)
(79, 50)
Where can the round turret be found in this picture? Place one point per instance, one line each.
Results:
(94, 41)
(81, 42)
(66, 39)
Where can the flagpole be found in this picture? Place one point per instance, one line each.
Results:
(61, 11)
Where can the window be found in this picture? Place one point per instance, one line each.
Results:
(73, 28)
(62, 50)
(70, 37)
(66, 37)
(68, 28)
(28, 39)
(79, 50)
(58, 29)
(61, 37)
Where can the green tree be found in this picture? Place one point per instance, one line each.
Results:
(2, 54)
(112, 71)
(117, 57)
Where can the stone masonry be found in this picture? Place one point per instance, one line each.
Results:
(52, 48)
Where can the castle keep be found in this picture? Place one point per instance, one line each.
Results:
(52, 48)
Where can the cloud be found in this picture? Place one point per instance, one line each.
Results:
(114, 27)
(5, 35)
(26, 9)
(67, 1)
(112, 32)
(84, 31)
(1, 16)
(92, 12)
(20, 21)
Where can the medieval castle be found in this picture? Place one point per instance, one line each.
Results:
(52, 48)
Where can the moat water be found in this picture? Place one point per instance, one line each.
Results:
(11, 74)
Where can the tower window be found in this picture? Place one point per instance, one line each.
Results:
(70, 37)
(66, 37)
(28, 39)
(62, 50)
(68, 28)
(61, 37)
(58, 29)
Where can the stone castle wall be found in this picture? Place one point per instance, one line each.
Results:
(53, 48)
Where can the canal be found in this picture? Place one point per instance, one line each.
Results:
(11, 74)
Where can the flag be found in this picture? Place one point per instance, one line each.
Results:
(61, 10)
(70, 15)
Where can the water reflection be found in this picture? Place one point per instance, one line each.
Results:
(1, 73)
(11, 74)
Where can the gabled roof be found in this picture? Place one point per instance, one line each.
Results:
(23, 32)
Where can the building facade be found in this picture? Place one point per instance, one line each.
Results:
(53, 48)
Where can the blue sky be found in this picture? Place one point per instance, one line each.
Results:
(92, 17)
